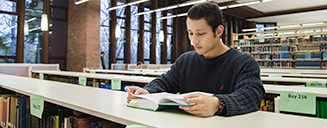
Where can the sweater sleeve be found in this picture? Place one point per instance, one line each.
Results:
(248, 92)
(168, 82)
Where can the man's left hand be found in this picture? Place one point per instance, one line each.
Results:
(204, 105)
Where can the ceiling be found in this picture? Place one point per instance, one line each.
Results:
(285, 12)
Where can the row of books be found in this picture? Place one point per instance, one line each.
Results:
(15, 112)
(283, 40)
(97, 83)
(313, 64)
(272, 105)
(296, 56)
(285, 64)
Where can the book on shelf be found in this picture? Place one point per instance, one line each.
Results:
(156, 101)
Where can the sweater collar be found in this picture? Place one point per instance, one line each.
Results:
(220, 58)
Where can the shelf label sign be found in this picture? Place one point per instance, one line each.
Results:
(299, 102)
(37, 105)
(295, 72)
(82, 80)
(274, 75)
(92, 72)
(283, 38)
(261, 40)
(306, 37)
(116, 84)
(241, 41)
(41, 76)
(316, 84)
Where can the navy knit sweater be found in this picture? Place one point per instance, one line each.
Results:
(232, 76)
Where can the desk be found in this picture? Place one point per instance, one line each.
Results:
(126, 72)
(291, 80)
(275, 89)
(111, 105)
(297, 75)
(287, 71)
(98, 76)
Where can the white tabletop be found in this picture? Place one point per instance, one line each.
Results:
(275, 89)
(98, 76)
(289, 79)
(287, 71)
(297, 75)
(111, 105)
(125, 72)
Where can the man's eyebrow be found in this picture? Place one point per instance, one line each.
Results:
(195, 30)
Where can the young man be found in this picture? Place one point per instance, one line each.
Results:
(213, 67)
(102, 61)
(139, 65)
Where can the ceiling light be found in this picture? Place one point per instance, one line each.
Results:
(81, 1)
(161, 36)
(116, 7)
(26, 28)
(183, 14)
(310, 24)
(44, 22)
(275, 27)
(190, 3)
(117, 31)
(166, 8)
(243, 4)
(247, 30)
(137, 2)
(289, 26)
(142, 13)
(223, 7)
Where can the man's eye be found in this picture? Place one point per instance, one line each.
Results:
(201, 34)
(190, 33)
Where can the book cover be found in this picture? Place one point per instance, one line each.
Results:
(156, 101)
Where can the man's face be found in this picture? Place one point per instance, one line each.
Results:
(200, 33)
(102, 55)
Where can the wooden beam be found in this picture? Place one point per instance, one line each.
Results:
(127, 44)
(153, 41)
(112, 38)
(45, 46)
(140, 46)
(20, 32)
(164, 44)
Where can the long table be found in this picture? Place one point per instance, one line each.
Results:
(111, 105)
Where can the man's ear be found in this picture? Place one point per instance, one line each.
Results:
(219, 30)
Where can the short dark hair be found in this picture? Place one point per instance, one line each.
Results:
(209, 11)
(139, 63)
(102, 53)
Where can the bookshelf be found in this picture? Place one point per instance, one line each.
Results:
(297, 48)
(111, 105)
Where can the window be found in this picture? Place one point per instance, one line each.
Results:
(104, 30)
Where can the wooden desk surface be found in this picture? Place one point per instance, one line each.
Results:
(98, 76)
(111, 105)
(126, 72)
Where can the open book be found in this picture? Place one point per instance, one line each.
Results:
(155, 101)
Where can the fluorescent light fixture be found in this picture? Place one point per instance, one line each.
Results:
(142, 13)
(137, 2)
(13, 26)
(29, 20)
(310, 24)
(117, 31)
(183, 14)
(252, 29)
(26, 28)
(166, 17)
(266, 0)
(190, 3)
(6, 42)
(116, 7)
(81, 1)
(161, 36)
(269, 28)
(288, 33)
(243, 4)
(289, 26)
(44, 22)
(34, 29)
(223, 7)
(324, 30)
(166, 8)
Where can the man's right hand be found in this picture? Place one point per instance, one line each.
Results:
(134, 90)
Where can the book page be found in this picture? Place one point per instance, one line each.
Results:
(155, 97)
